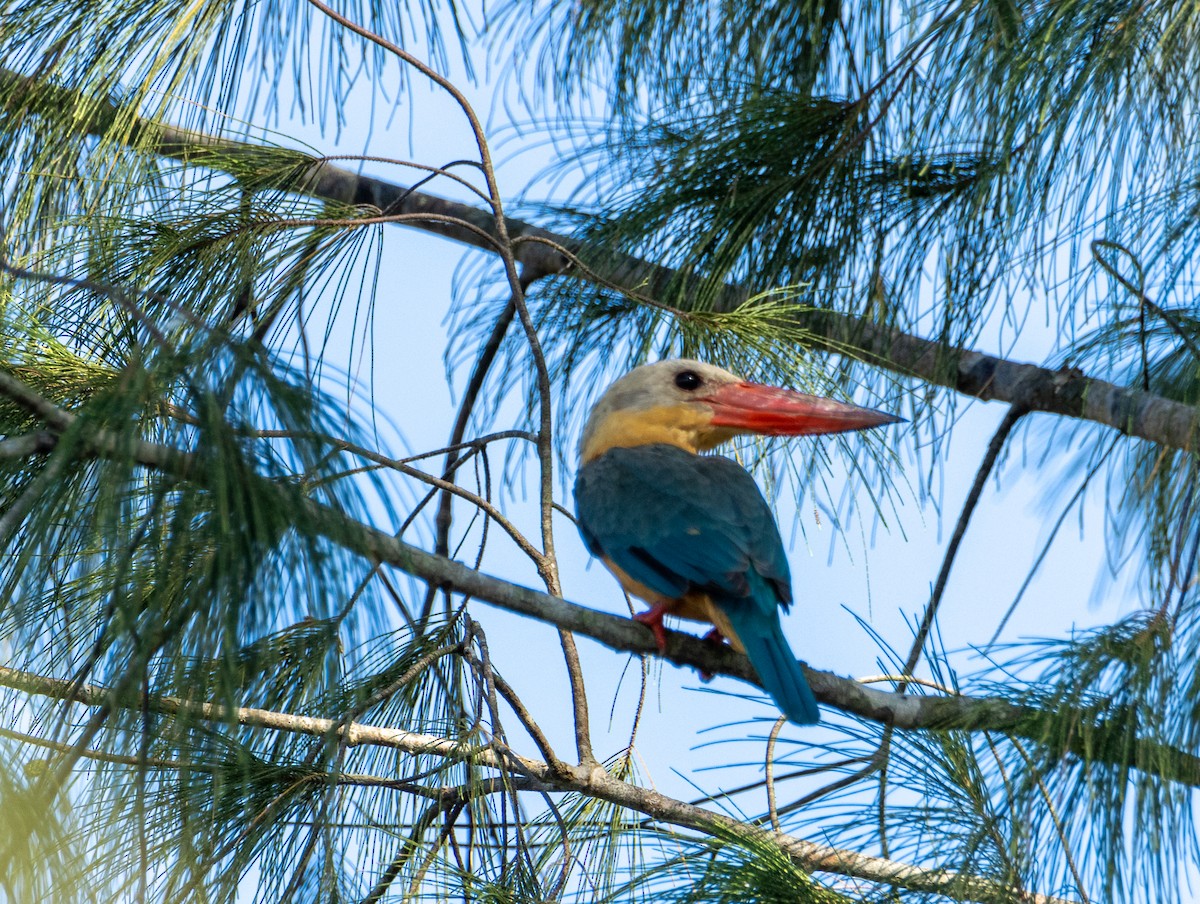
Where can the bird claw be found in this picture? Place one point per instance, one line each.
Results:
(716, 638)
(652, 618)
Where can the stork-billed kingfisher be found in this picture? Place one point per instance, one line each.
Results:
(691, 534)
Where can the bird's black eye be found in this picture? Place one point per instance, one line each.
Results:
(688, 379)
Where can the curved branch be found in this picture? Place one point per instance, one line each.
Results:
(1066, 391)
(589, 778)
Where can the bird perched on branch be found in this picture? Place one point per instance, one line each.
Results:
(691, 534)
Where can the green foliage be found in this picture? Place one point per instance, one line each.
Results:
(1101, 768)
(194, 573)
(39, 864)
(782, 166)
(729, 870)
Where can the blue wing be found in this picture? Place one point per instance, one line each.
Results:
(678, 522)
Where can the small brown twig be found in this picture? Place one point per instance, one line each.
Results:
(769, 765)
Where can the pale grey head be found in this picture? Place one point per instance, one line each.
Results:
(697, 406)
(677, 381)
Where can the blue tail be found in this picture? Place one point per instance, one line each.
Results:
(781, 674)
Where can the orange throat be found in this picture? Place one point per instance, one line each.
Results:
(687, 428)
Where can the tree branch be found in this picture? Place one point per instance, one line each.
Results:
(589, 778)
(964, 713)
(1066, 392)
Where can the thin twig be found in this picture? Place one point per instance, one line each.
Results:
(770, 772)
(779, 779)
(1058, 826)
(644, 664)
(995, 446)
(526, 718)
(483, 364)
(478, 501)
(839, 784)
(1139, 290)
(1062, 517)
(393, 870)
(381, 694)
(1002, 849)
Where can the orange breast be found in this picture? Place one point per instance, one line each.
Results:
(695, 605)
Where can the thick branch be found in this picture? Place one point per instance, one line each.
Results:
(964, 713)
(591, 779)
(1066, 392)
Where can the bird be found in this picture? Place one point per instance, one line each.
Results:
(690, 533)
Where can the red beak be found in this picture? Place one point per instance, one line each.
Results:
(782, 412)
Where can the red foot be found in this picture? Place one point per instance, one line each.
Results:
(652, 618)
